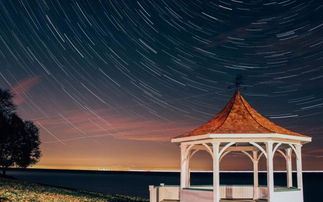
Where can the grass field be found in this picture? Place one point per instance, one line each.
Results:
(16, 190)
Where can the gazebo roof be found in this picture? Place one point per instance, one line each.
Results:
(238, 117)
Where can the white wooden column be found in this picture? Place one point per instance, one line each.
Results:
(255, 174)
(188, 174)
(299, 166)
(270, 170)
(184, 165)
(288, 153)
(216, 172)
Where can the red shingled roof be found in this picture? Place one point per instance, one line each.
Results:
(239, 117)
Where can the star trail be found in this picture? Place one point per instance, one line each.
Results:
(109, 82)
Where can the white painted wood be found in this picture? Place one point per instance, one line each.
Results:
(229, 151)
(188, 149)
(293, 148)
(205, 193)
(233, 191)
(282, 153)
(196, 196)
(152, 193)
(260, 156)
(259, 147)
(288, 154)
(192, 153)
(226, 147)
(270, 170)
(223, 140)
(224, 154)
(288, 196)
(248, 155)
(216, 172)
(255, 174)
(242, 148)
(236, 191)
(276, 147)
(208, 148)
(299, 166)
(244, 136)
(184, 161)
(188, 173)
(168, 193)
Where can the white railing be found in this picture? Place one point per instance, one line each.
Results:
(205, 193)
(194, 195)
(159, 193)
(241, 192)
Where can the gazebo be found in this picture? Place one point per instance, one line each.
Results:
(237, 128)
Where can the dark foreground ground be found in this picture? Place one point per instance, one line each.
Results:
(17, 190)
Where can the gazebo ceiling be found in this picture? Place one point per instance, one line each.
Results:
(238, 117)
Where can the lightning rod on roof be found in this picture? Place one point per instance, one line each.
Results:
(238, 82)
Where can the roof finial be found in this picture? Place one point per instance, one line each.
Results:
(238, 82)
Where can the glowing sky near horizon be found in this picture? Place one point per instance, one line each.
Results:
(109, 82)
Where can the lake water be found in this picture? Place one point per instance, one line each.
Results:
(136, 183)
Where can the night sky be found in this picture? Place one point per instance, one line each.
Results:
(109, 82)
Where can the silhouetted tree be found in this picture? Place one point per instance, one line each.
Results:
(6, 144)
(7, 109)
(19, 140)
(28, 146)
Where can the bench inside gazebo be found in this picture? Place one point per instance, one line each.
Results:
(237, 128)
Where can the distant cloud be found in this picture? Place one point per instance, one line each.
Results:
(22, 87)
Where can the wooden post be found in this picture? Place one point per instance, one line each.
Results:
(299, 169)
(255, 174)
(299, 166)
(188, 174)
(183, 165)
(289, 173)
(270, 170)
(216, 172)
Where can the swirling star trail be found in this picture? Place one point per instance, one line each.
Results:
(109, 82)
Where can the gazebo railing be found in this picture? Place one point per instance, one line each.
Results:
(204, 193)
(173, 192)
